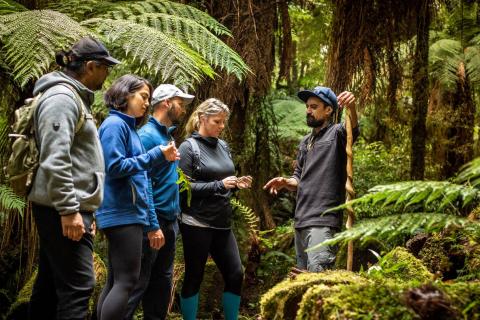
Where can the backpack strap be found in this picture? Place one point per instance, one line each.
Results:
(83, 112)
(196, 157)
(225, 147)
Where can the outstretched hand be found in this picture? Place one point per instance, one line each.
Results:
(244, 182)
(279, 183)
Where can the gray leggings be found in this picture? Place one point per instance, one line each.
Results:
(319, 259)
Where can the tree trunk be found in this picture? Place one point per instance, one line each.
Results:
(460, 129)
(253, 25)
(420, 89)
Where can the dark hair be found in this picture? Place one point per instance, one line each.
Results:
(117, 95)
(66, 59)
(83, 50)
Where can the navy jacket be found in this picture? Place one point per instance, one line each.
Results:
(127, 194)
(163, 173)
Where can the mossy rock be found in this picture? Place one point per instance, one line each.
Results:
(311, 306)
(19, 309)
(434, 255)
(465, 296)
(282, 301)
(401, 265)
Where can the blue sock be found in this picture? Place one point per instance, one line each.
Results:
(189, 307)
(231, 305)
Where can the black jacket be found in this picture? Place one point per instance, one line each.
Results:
(210, 202)
(321, 175)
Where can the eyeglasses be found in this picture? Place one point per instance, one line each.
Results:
(108, 66)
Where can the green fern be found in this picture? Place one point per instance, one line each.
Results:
(438, 196)
(31, 38)
(9, 6)
(470, 174)
(10, 201)
(401, 225)
(133, 8)
(184, 183)
(199, 38)
(82, 9)
(248, 215)
(158, 52)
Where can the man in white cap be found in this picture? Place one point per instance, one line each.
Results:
(155, 283)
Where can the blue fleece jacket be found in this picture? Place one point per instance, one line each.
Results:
(164, 175)
(127, 193)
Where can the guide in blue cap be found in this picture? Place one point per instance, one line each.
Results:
(319, 177)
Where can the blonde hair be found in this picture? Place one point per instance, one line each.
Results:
(209, 107)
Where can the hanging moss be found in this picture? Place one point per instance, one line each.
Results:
(282, 301)
(401, 265)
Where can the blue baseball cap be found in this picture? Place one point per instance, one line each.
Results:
(323, 93)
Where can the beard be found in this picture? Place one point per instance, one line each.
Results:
(172, 115)
(314, 123)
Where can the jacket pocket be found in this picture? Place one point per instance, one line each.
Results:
(95, 198)
(134, 193)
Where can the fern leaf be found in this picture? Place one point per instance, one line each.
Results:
(184, 183)
(248, 215)
(10, 6)
(199, 38)
(133, 8)
(403, 196)
(82, 9)
(470, 173)
(445, 58)
(162, 54)
(31, 38)
(391, 227)
(9, 200)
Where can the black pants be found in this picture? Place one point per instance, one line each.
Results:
(222, 247)
(65, 277)
(155, 284)
(124, 257)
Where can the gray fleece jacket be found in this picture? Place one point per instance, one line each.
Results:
(71, 171)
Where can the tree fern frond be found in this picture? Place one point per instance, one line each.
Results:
(82, 9)
(472, 62)
(403, 196)
(199, 38)
(162, 54)
(470, 174)
(445, 58)
(31, 38)
(132, 8)
(248, 215)
(391, 227)
(9, 200)
(10, 6)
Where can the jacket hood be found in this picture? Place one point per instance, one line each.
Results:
(51, 79)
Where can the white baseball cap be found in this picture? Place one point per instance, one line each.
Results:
(167, 91)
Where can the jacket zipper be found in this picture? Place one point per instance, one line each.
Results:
(134, 196)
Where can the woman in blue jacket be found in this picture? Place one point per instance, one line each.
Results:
(127, 209)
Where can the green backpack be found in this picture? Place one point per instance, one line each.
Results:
(23, 161)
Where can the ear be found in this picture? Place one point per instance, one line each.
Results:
(90, 67)
(329, 110)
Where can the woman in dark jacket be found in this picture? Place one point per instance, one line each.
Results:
(206, 222)
(127, 209)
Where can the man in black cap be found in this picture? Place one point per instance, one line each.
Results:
(319, 177)
(68, 185)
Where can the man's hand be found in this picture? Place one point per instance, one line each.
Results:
(72, 226)
(279, 183)
(170, 152)
(346, 99)
(244, 182)
(156, 238)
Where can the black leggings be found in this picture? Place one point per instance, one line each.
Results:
(222, 246)
(124, 256)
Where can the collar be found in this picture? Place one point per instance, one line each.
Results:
(321, 131)
(163, 128)
(131, 121)
(211, 141)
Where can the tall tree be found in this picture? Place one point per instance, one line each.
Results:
(420, 87)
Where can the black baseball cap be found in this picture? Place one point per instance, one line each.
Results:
(89, 48)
